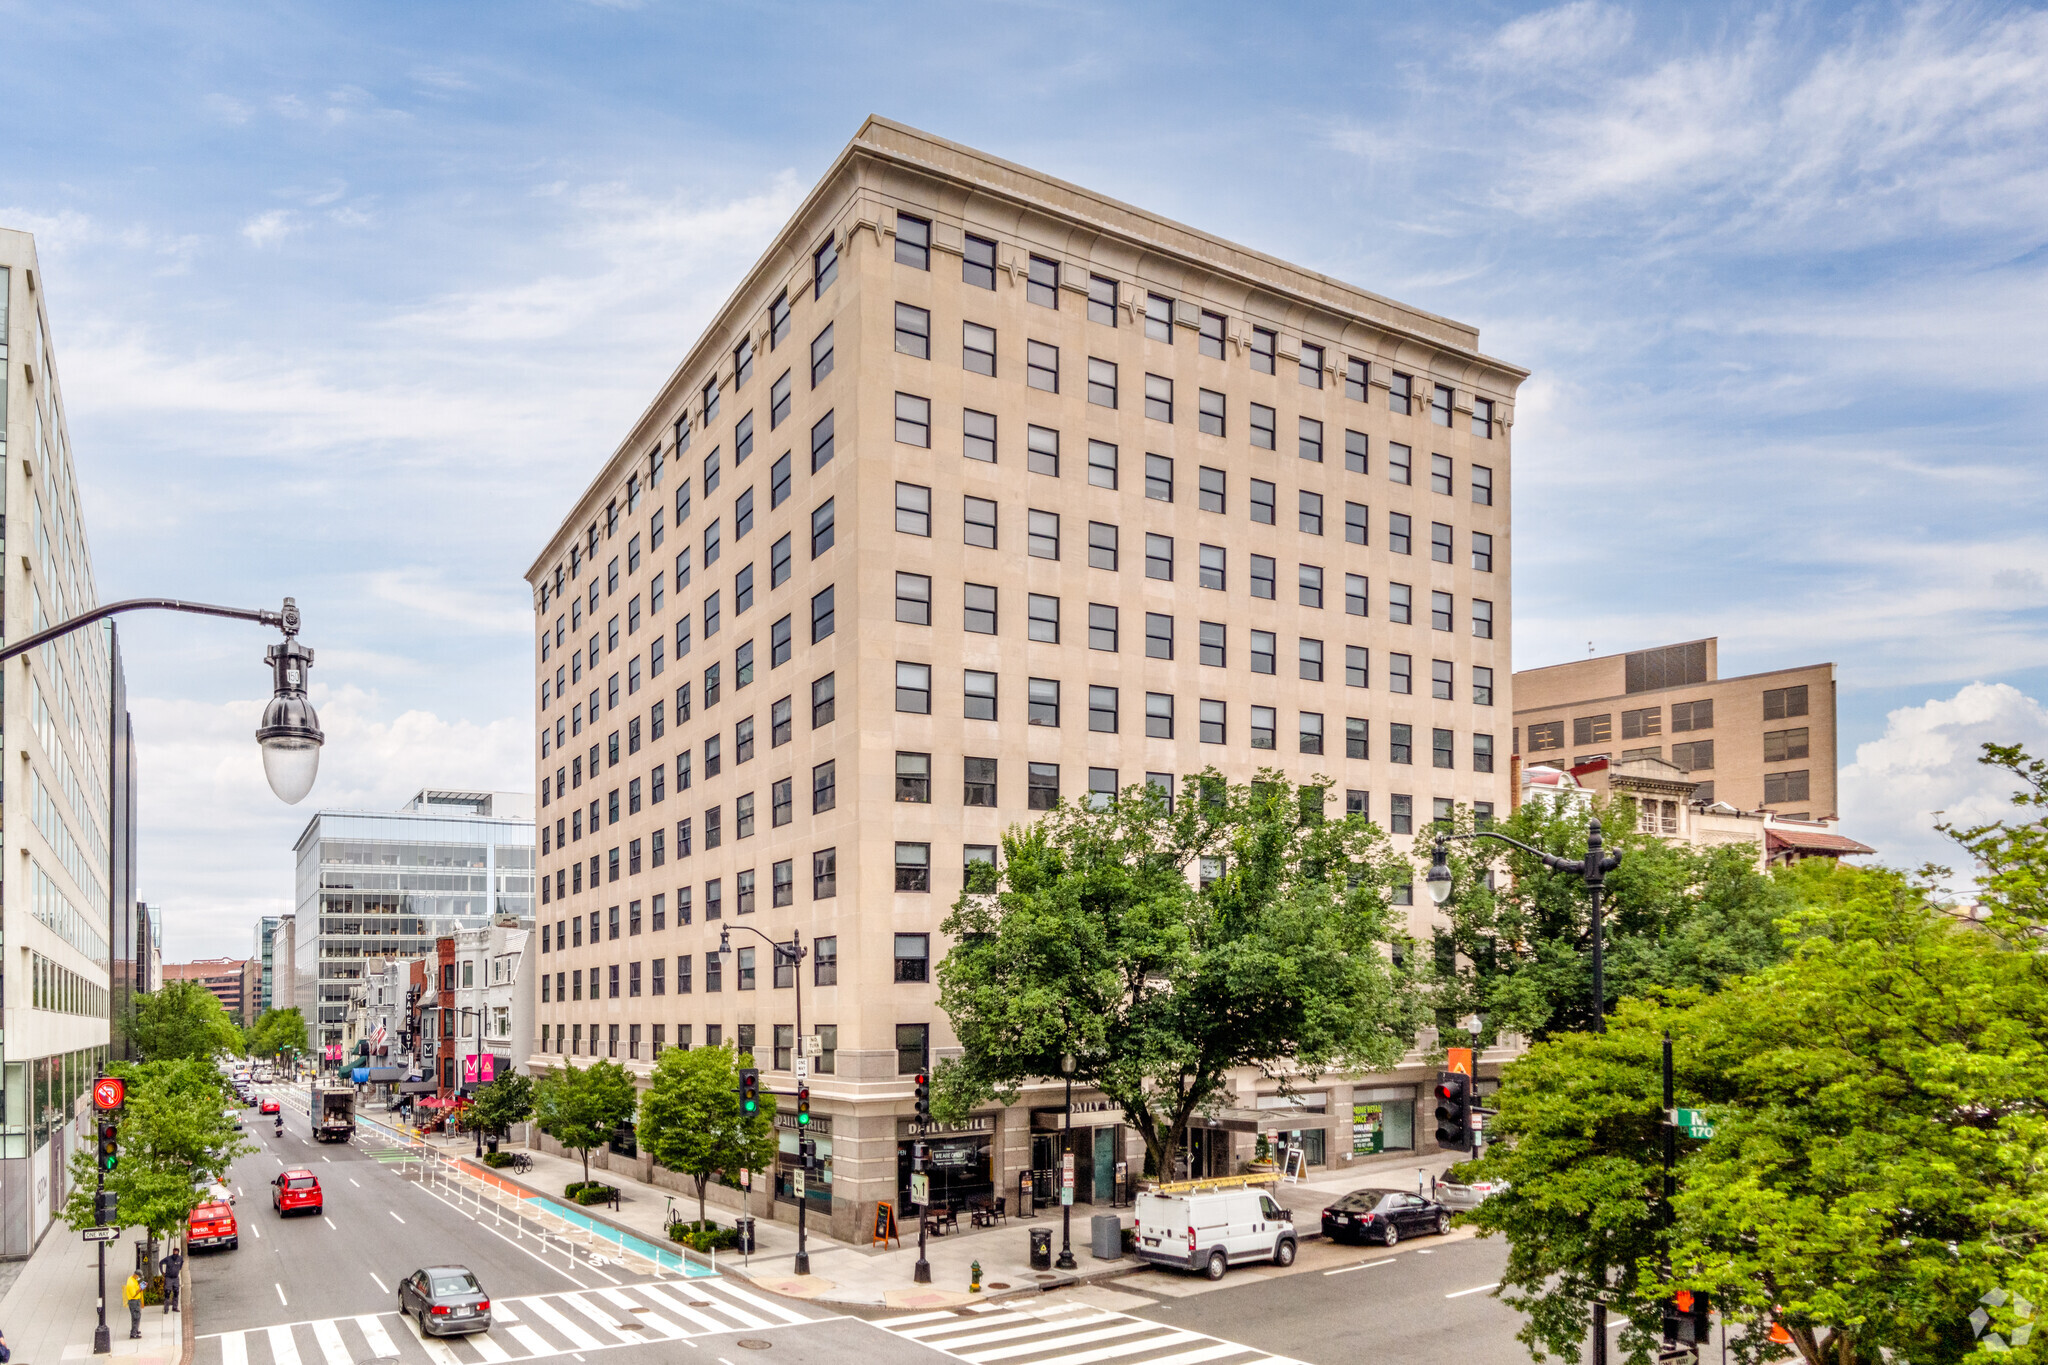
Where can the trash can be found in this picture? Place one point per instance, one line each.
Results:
(1041, 1248)
(745, 1228)
(1106, 1237)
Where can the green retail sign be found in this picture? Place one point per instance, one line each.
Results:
(1694, 1123)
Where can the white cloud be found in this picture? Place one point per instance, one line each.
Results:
(217, 846)
(1567, 35)
(1926, 762)
(268, 229)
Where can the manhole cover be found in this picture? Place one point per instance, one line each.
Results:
(700, 1303)
(1043, 1276)
(997, 1284)
(755, 1344)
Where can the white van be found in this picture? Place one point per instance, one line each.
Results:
(1212, 1229)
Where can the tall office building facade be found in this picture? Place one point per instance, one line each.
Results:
(373, 886)
(265, 948)
(983, 490)
(69, 922)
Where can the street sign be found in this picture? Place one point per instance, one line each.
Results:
(1694, 1123)
(102, 1234)
(803, 1068)
(797, 1180)
(1458, 1059)
(1067, 1179)
(920, 1188)
(108, 1092)
(812, 1047)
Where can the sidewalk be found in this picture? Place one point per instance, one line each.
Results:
(49, 1314)
(858, 1274)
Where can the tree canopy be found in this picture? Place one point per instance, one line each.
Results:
(1517, 952)
(1165, 945)
(494, 1107)
(175, 1138)
(182, 1020)
(691, 1122)
(276, 1032)
(582, 1109)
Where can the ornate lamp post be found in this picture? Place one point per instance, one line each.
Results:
(793, 953)
(1066, 1260)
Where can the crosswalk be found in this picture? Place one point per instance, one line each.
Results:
(1067, 1334)
(533, 1327)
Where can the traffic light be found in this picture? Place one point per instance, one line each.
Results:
(924, 1095)
(807, 1153)
(750, 1091)
(803, 1106)
(1454, 1111)
(1685, 1317)
(105, 1207)
(110, 1144)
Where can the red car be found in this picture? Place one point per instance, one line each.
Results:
(296, 1191)
(267, 1107)
(212, 1224)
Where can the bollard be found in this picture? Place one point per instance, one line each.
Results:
(974, 1278)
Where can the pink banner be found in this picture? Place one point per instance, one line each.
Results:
(479, 1069)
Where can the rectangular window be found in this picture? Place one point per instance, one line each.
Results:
(1692, 715)
(778, 324)
(978, 263)
(1159, 715)
(978, 785)
(1311, 371)
(1263, 574)
(1482, 753)
(913, 509)
(1442, 673)
(913, 599)
(1262, 349)
(824, 787)
(1400, 604)
(1400, 463)
(1587, 730)
(979, 608)
(1263, 424)
(824, 268)
(979, 695)
(1482, 485)
(1310, 657)
(1159, 478)
(1309, 513)
(914, 689)
(1264, 503)
(1441, 742)
(1441, 608)
(1354, 451)
(1101, 546)
(1042, 539)
(1401, 815)
(1400, 673)
(743, 440)
(1214, 729)
(913, 331)
(912, 1045)
(1211, 485)
(1042, 366)
(779, 726)
(1102, 300)
(1440, 474)
(913, 248)
(1212, 562)
(1482, 619)
(1549, 735)
(1264, 651)
(1101, 383)
(1400, 743)
(1310, 585)
(1159, 398)
(1792, 786)
(1102, 627)
(1265, 723)
(821, 357)
(1042, 284)
(1399, 532)
(1482, 686)
(1357, 666)
(1042, 786)
(1102, 710)
(1159, 318)
(1781, 745)
(913, 420)
(1043, 702)
(1211, 342)
(821, 443)
(1158, 635)
(1482, 552)
(1044, 618)
(1440, 404)
(781, 803)
(1042, 451)
(979, 522)
(822, 617)
(778, 483)
(1159, 557)
(1696, 756)
(913, 873)
(1357, 737)
(914, 778)
(1309, 440)
(1779, 702)
(778, 562)
(1355, 376)
(978, 348)
(822, 701)
(1482, 418)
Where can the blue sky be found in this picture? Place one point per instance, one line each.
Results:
(349, 301)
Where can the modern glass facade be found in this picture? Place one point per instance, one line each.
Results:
(265, 946)
(372, 887)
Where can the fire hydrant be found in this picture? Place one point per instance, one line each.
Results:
(974, 1278)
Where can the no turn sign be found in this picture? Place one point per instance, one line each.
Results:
(108, 1092)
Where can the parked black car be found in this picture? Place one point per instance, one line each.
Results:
(1383, 1216)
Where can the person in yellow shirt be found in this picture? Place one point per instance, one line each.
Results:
(132, 1292)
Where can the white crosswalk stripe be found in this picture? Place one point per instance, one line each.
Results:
(1068, 1334)
(533, 1327)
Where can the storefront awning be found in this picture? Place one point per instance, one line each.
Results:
(1260, 1120)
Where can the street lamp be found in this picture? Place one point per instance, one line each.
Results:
(1594, 868)
(792, 952)
(290, 732)
(1066, 1260)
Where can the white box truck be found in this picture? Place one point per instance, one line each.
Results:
(1211, 1230)
(333, 1113)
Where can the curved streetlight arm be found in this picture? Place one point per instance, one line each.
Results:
(793, 950)
(286, 620)
(1549, 860)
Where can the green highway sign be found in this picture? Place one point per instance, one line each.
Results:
(1693, 1122)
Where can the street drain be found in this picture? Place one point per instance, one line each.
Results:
(755, 1344)
(1043, 1276)
(997, 1284)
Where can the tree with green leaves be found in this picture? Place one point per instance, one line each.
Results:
(182, 1020)
(1518, 952)
(691, 1121)
(175, 1138)
(1880, 1153)
(582, 1109)
(495, 1106)
(1165, 946)
(278, 1033)
(2011, 855)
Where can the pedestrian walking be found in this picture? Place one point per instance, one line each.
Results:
(132, 1292)
(174, 1267)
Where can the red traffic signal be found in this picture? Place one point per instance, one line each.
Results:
(923, 1102)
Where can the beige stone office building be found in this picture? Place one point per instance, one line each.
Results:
(1761, 741)
(983, 490)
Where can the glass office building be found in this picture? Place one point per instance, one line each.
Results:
(372, 886)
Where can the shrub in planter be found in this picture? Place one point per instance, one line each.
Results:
(497, 1159)
(704, 1236)
(588, 1192)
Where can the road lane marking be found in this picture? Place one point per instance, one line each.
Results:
(547, 1312)
(394, 1214)
(1201, 1353)
(682, 1310)
(331, 1347)
(603, 1319)
(1362, 1265)
(491, 1351)
(501, 1311)
(329, 1221)
(379, 1283)
(755, 1300)
(1122, 1329)
(534, 1342)
(256, 1232)
(437, 1350)
(352, 1181)
(1479, 1289)
(234, 1350)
